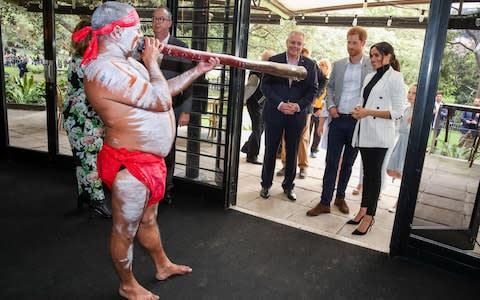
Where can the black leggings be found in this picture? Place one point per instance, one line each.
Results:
(372, 159)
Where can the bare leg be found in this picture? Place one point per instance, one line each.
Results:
(128, 201)
(361, 213)
(149, 237)
(394, 174)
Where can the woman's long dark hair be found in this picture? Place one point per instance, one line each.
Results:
(385, 48)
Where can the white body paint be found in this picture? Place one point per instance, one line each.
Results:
(150, 121)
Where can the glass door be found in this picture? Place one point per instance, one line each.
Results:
(447, 209)
(24, 75)
(64, 27)
(438, 212)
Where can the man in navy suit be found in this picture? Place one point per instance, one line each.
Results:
(171, 67)
(285, 111)
(343, 94)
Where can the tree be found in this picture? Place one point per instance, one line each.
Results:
(330, 43)
(459, 74)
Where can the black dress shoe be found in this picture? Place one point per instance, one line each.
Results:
(167, 199)
(100, 209)
(290, 194)
(254, 161)
(265, 193)
(244, 148)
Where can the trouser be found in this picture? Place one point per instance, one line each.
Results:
(292, 127)
(314, 123)
(384, 170)
(302, 158)
(372, 159)
(340, 134)
(252, 145)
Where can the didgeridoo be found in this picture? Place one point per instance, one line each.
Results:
(272, 68)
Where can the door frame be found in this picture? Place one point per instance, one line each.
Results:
(406, 240)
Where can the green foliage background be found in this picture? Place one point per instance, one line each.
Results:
(459, 75)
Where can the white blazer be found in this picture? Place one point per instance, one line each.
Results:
(388, 94)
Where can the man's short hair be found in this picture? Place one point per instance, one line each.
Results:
(362, 33)
(295, 32)
(166, 9)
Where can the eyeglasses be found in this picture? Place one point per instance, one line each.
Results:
(160, 19)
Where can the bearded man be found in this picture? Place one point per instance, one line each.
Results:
(343, 92)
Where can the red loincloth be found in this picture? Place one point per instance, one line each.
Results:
(148, 168)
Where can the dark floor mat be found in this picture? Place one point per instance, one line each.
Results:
(51, 251)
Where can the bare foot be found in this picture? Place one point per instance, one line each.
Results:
(170, 269)
(137, 293)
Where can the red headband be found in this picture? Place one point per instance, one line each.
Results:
(131, 19)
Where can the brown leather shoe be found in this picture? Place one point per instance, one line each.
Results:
(342, 205)
(319, 209)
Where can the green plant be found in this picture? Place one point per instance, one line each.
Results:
(36, 69)
(453, 150)
(25, 90)
(62, 84)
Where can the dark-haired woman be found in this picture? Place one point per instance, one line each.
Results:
(85, 133)
(383, 97)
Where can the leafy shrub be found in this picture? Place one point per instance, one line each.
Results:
(453, 150)
(62, 84)
(35, 69)
(25, 90)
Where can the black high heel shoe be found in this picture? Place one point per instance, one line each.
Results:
(99, 208)
(353, 222)
(358, 232)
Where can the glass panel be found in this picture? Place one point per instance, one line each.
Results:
(22, 34)
(451, 174)
(211, 107)
(64, 26)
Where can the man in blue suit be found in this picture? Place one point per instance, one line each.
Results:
(285, 111)
(343, 94)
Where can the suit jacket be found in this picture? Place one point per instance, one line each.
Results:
(335, 83)
(388, 94)
(277, 89)
(470, 116)
(172, 66)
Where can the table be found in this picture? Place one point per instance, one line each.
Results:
(451, 111)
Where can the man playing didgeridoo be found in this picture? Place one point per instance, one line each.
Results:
(135, 103)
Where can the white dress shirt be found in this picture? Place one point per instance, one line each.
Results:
(352, 84)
